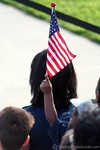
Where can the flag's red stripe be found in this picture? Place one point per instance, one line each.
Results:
(61, 48)
(66, 51)
(53, 51)
(71, 54)
(52, 68)
(48, 73)
(54, 60)
(57, 49)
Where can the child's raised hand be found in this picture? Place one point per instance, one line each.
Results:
(46, 85)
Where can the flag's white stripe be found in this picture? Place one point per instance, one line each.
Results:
(63, 53)
(50, 70)
(56, 58)
(58, 46)
(67, 50)
(53, 64)
(64, 46)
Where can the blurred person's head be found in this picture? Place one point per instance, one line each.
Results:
(67, 141)
(15, 125)
(73, 118)
(64, 83)
(87, 130)
(84, 105)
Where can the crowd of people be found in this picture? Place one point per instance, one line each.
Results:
(51, 121)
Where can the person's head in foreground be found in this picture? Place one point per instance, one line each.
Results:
(89, 105)
(64, 83)
(67, 141)
(87, 130)
(15, 125)
(86, 105)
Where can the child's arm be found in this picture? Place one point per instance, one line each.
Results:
(49, 106)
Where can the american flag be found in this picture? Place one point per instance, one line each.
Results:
(58, 54)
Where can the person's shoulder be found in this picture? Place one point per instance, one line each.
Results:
(26, 107)
(34, 110)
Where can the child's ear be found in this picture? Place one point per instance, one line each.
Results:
(26, 141)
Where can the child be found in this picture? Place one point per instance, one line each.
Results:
(15, 125)
(58, 127)
(49, 106)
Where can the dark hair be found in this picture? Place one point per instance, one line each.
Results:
(98, 90)
(64, 83)
(15, 125)
(87, 131)
(98, 86)
(67, 141)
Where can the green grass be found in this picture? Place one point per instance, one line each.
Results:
(86, 10)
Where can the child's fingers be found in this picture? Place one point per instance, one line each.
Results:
(47, 78)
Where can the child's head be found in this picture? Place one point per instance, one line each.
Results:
(15, 125)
